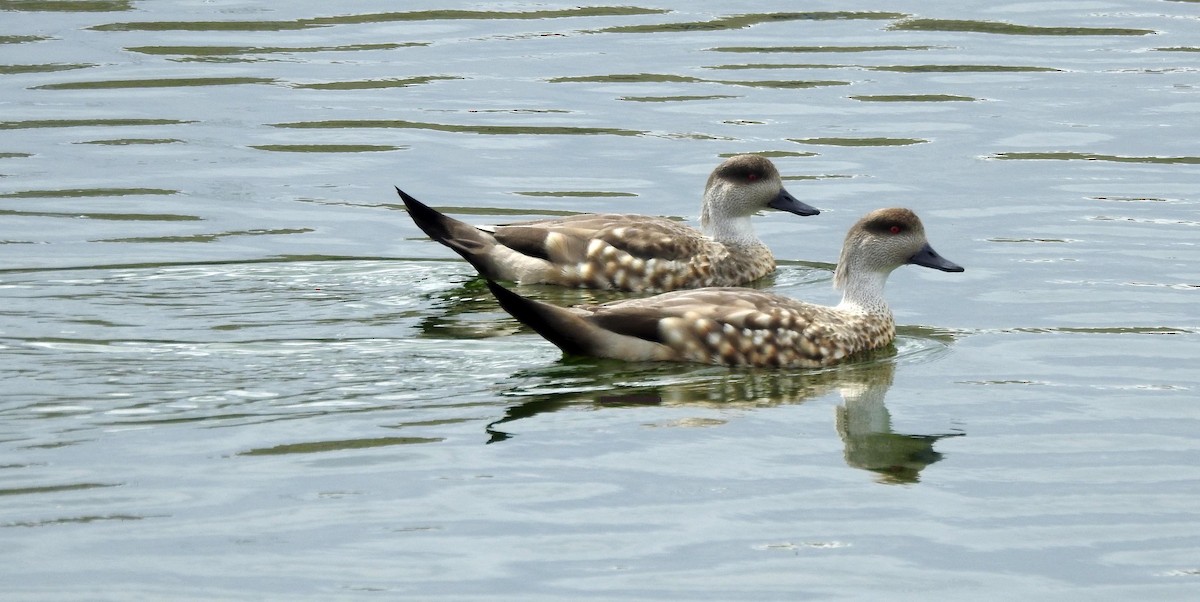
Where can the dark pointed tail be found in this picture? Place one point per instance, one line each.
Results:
(463, 238)
(560, 326)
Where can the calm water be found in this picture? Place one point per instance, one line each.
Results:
(234, 369)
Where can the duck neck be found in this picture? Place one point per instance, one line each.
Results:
(862, 291)
(725, 228)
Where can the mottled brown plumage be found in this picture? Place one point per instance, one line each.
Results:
(631, 252)
(747, 327)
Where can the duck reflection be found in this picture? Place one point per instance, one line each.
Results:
(469, 311)
(862, 419)
(865, 426)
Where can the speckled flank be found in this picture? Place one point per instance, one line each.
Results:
(784, 338)
(745, 327)
(714, 264)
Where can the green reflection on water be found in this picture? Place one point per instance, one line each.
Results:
(425, 15)
(1151, 330)
(132, 141)
(693, 136)
(517, 111)
(803, 49)
(1070, 156)
(676, 98)
(743, 21)
(776, 66)
(863, 421)
(627, 78)
(47, 68)
(467, 311)
(202, 26)
(440, 15)
(963, 69)
(1130, 199)
(466, 129)
(68, 123)
(55, 488)
(1180, 48)
(281, 259)
(21, 39)
(85, 192)
(236, 50)
(120, 217)
(157, 83)
(860, 141)
(1010, 29)
(74, 6)
(897, 68)
(1033, 240)
(789, 84)
(371, 84)
(75, 520)
(327, 446)
(208, 237)
(575, 193)
(687, 79)
(327, 148)
(913, 98)
(773, 154)
(14, 155)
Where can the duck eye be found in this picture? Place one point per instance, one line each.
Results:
(751, 176)
(895, 229)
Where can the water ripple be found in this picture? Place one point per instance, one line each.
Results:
(993, 27)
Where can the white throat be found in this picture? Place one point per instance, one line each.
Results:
(862, 291)
(738, 230)
(723, 227)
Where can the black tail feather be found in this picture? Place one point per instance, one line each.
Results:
(555, 324)
(427, 219)
(466, 240)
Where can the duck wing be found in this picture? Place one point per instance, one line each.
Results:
(738, 308)
(567, 240)
(737, 326)
(732, 326)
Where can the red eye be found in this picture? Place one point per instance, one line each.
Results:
(752, 177)
(894, 229)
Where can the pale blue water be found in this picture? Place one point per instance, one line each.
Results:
(234, 369)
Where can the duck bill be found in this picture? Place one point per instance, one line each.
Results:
(784, 201)
(929, 258)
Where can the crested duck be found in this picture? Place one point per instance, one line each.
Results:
(748, 327)
(631, 252)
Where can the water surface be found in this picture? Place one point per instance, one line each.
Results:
(235, 369)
